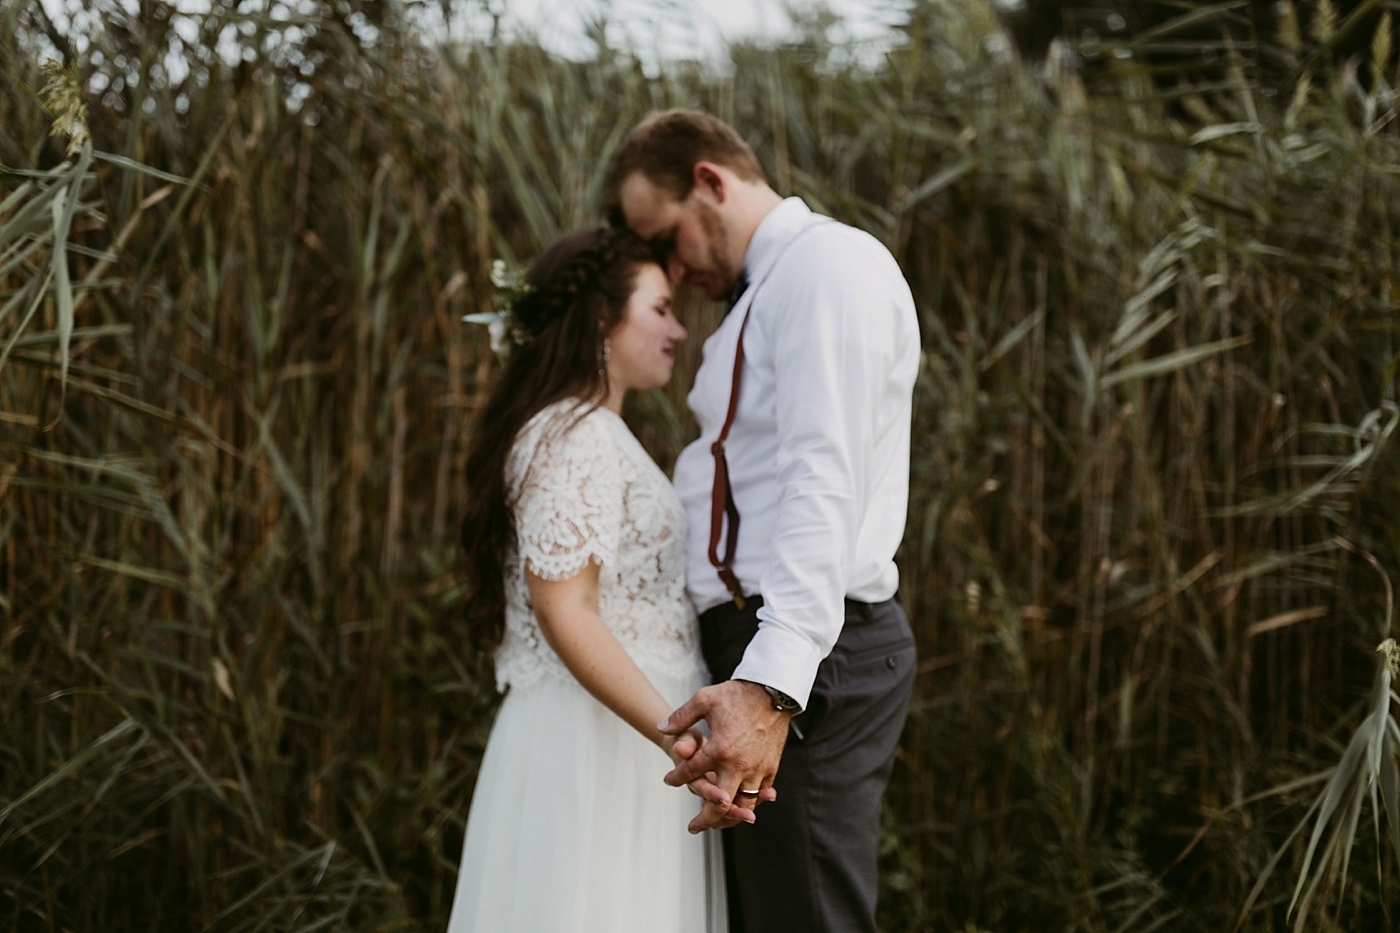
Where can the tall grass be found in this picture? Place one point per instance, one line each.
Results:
(1153, 514)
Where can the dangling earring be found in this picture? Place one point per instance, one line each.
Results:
(607, 356)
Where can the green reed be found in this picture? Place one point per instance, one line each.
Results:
(1152, 524)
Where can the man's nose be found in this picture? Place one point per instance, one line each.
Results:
(675, 270)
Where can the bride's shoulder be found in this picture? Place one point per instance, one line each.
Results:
(565, 429)
(570, 422)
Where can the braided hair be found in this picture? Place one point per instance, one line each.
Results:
(579, 288)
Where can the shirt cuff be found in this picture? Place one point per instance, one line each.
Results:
(781, 659)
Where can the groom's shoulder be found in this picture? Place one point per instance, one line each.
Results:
(838, 247)
(833, 258)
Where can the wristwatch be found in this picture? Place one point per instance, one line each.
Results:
(781, 701)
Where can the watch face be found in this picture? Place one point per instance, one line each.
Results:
(781, 701)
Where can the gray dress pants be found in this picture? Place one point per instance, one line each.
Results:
(809, 865)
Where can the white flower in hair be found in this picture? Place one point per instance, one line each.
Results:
(505, 331)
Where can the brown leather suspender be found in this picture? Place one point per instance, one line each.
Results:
(722, 494)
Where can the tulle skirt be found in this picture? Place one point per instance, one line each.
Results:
(572, 829)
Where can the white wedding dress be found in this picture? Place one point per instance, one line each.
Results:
(571, 827)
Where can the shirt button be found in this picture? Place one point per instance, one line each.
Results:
(890, 662)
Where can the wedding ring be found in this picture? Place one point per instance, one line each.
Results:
(746, 793)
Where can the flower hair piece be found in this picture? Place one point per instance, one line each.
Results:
(501, 324)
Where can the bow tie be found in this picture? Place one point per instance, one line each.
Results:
(737, 292)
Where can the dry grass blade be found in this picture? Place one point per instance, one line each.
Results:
(70, 767)
(1369, 763)
(1170, 362)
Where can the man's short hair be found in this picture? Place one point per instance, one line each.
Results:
(665, 146)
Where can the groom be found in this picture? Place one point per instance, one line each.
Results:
(795, 496)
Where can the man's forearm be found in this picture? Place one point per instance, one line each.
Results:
(781, 658)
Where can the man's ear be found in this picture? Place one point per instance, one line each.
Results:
(711, 178)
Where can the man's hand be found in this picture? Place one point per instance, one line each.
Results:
(682, 747)
(746, 742)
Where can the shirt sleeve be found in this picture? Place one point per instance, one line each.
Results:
(832, 347)
(569, 504)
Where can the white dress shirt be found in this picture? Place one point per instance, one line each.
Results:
(819, 450)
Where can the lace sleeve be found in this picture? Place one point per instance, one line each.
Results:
(569, 501)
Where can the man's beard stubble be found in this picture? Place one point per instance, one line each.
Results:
(719, 280)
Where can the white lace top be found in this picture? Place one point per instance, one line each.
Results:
(582, 487)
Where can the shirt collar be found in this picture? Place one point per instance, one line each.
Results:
(783, 223)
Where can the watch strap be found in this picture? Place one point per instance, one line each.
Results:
(781, 701)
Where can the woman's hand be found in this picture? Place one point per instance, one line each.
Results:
(680, 748)
(567, 611)
(747, 738)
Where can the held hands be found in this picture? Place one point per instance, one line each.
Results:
(681, 748)
(746, 742)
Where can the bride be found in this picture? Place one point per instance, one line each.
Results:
(575, 554)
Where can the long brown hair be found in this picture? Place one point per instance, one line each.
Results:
(579, 288)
